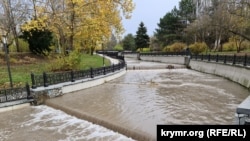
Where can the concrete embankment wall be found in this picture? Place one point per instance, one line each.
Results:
(91, 83)
(165, 59)
(41, 94)
(238, 74)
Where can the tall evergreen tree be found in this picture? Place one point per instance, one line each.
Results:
(170, 28)
(39, 40)
(187, 10)
(129, 42)
(142, 38)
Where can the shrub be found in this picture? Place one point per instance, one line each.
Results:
(229, 46)
(198, 48)
(176, 47)
(166, 49)
(118, 47)
(245, 45)
(143, 50)
(13, 60)
(65, 63)
(23, 46)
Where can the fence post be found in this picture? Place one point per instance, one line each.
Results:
(202, 57)
(225, 59)
(209, 57)
(28, 91)
(33, 81)
(72, 76)
(234, 59)
(5, 92)
(104, 70)
(245, 60)
(91, 73)
(113, 68)
(119, 65)
(217, 58)
(45, 80)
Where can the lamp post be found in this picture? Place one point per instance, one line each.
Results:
(7, 57)
(103, 60)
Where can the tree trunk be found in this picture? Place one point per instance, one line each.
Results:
(16, 40)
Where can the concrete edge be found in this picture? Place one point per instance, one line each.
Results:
(130, 133)
(92, 83)
(14, 107)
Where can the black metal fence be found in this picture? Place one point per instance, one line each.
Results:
(47, 79)
(114, 54)
(226, 59)
(243, 60)
(14, 94)
(184, 53)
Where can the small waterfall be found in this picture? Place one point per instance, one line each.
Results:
(117, 128)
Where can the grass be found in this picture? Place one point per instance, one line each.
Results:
(247, 51)
(94, 61)
(21, 72)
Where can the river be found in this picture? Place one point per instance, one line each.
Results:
(137, 101)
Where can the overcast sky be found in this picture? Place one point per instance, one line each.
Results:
(149, 12)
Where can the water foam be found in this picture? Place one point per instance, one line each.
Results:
(46, 118)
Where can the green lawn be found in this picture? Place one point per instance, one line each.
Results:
(21, 72)
(227, 52)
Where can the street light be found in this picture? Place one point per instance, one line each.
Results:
(4, 39)
(103, 60)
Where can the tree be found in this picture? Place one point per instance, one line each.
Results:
(129, 42)
(154, 44)
(112, 42)
(187, 13)
(83, 25)
(187, 10)
(211, 25)
(170, 28)
(141, 39)
(14, 13)
(39, 38)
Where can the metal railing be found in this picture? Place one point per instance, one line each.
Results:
(14, 94)
(184, 53)
(226, 59)
(46, 79)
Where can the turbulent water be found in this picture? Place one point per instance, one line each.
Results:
(43, 123)
(142, 99)
(137, 101)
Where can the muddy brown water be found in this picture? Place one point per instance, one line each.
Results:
(142, 99)
(132, 105)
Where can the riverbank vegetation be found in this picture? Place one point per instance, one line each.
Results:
(23, 64)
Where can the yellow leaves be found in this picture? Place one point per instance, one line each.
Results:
(39, 23)
(93, 20)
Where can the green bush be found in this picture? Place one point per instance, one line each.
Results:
(118, 47)
(23, 46)
(198, 48)
(65, 63)
(229, 46)
(166, 49)
(143, 50)
(245, 45)
(176, 47)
